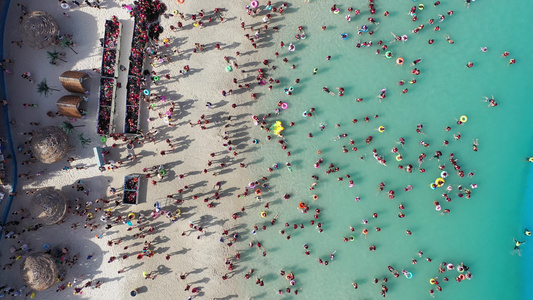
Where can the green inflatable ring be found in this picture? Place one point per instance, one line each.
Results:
(228, 69)
(388, 54)
(156, 78)
(103, 139)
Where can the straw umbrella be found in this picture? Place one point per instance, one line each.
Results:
(39, 271)
(39, 30)
(50, 144)
(48, 206)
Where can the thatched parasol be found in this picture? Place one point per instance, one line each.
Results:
(50, 144)
(48, 206)
(39, 30)
(39, 271)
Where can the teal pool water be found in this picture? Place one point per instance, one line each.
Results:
(478, 231)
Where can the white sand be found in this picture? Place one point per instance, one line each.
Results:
(203, 258)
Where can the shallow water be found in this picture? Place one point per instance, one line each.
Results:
(478, 231)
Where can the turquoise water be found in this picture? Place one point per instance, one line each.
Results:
(478, 231)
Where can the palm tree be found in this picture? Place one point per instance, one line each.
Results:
(67, 42)
(53, 56)
(83, 141)
(67, 127)
(43, 88)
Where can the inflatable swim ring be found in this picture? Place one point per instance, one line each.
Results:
(421, 6)
(381, 128)
(103, 139)
(439, 181)
(399, 61)
(181, 1)
(146, 92)
(388, 54)
(291, 89)
(433, 186)
(292, 47)
(462, 276)
(228, 69)
(352, 238)
(156, 78)
(178, 212)
(449, 267)
(344, 36)
(443, 174)
(409, 275)
(175, 12)
(463, 119)
(284, 105)
(263, 214)
(258, 192)
(131, 216)
(254, 4)
(315, 197)
(304, 114)
(337, 11)
(301, 205)
(432, 281)
(438, 208)
(399, 157)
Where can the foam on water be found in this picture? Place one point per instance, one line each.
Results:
(478, 231)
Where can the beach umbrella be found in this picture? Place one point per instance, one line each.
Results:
(50, 144)
(48, 206)
(39, 30)
(39, 271)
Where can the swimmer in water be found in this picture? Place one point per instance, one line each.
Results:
(340, 136)
(322, 126)
(517, 245)
(527, 232)
(484, 49)
(448, 39)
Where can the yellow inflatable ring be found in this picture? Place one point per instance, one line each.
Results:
(439, 181)
(263, 214)
(178, 212)
(530, 159)
(463, 119)
(131, 216)
(399, 157)
(90, 215)
(432, 281)
(381, 128)
(399, 61)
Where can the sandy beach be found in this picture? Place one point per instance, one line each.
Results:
(197, 254)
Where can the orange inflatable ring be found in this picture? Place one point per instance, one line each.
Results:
(315, 197)
(462, 276)
(301, 205)
(258, 192)
(365, 231)
(399, 61)
(181, 1)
